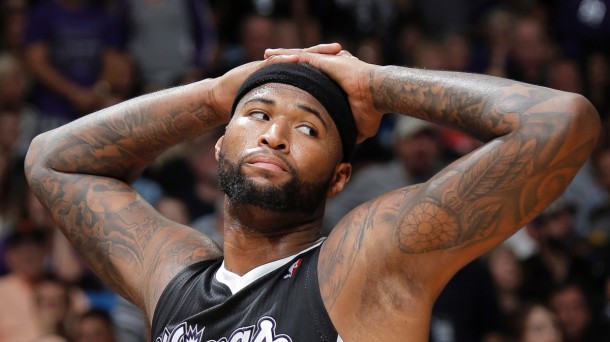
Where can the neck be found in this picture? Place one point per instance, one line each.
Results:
(253, 237)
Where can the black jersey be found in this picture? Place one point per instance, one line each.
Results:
(282, 304)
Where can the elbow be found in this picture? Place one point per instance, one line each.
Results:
(35, 161)
(586, 122)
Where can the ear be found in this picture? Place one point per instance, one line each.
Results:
(343, 172)
(217, 147)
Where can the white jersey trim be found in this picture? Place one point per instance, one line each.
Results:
(236, 282)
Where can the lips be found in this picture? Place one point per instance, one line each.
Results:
(268, 162)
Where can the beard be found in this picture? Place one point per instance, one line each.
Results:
(295, 196)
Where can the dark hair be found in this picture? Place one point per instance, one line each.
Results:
(97, 313)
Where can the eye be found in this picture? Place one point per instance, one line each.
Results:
(309, 130)
(260, 115)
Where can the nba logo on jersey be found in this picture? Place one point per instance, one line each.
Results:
(293, 269)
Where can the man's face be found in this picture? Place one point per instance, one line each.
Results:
(280, 151)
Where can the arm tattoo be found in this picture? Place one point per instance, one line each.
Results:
(120, 143)
(337, 266)
(451, 99)
(113, 236)
(505, 183)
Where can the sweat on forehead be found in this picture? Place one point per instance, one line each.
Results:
(316, 83)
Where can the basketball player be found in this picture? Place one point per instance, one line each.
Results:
(291, 129)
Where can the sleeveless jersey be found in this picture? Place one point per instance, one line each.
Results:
(283, 305)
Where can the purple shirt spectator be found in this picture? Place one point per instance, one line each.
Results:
(76, 38)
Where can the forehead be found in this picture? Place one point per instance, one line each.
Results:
(285, 95)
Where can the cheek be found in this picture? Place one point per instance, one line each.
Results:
(238, 136)
(314, 161)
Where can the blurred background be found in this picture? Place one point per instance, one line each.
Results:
(62, 59)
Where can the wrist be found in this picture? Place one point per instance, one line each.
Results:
(215, 100)
(380, 79)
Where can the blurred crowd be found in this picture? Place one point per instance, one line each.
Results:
(62, 59)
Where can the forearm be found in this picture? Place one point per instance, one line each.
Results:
(121, 140)
(484, 106)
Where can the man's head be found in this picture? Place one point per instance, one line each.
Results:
(289, 141)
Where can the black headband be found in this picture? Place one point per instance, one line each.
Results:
(316, 83)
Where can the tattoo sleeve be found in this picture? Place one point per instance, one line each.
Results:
(538, 139)
(80, 173)
(121, 140)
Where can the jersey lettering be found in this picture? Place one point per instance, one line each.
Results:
(264, 331)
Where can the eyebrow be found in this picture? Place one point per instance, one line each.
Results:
(300, 106)
(314, 112)
(260, 99)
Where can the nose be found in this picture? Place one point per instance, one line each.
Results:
(276, 137)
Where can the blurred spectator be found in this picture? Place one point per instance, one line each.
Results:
(12, 19)
(14, 87)
(69, 47)
(457, 52)
(530, 53)
(441, 17)
(369, 17)
(507, 278)
(95, 326)
(579, 320)
(564, 74)
(560, 256)
(429, 54)
(57, 308)
(130, 323)
(12, 179)
(174, 209)
(408, 37)
(491, 56)
(212, 224)
(535, 322)
(467, 309)
(172, 42)
(417, 156)
(18, 314)
(188, 172)
(597, 82)
(255, 35)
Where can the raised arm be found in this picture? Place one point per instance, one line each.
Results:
(388, 259)
(81, 173)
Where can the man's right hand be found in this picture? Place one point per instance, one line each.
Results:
(225, 87)
(353, 75)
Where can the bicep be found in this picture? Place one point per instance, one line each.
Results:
(121, 236)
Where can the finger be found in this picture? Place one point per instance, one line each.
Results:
(281, 51)
(329, 49)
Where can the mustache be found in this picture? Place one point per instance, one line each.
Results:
(291, 168)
